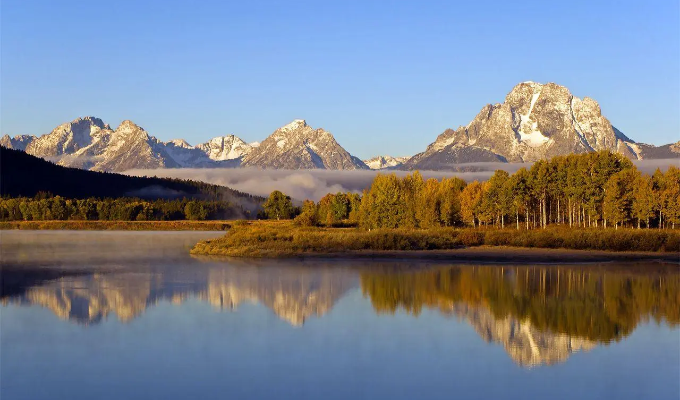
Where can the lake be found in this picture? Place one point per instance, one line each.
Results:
(119, 315)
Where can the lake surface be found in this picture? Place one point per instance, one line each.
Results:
(121, 315)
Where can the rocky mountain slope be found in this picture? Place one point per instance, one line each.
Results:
(89, 143)
(224, 148)
(385, 162)
(18, 142)
(299, 146)
(535, 121)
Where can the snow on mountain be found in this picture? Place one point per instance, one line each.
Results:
(88, 143)
(224, 148)
(299, 146)
(70, 138)
(186, 155)
(132, 147)
(18, 142)
(385, 162)
(536, 121)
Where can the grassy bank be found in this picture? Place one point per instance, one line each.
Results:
(283, 239)
(118, 225)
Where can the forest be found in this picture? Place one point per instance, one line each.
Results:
(45, 207)
(600, 189)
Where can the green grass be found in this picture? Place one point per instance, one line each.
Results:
(283, 239)
(118, 225)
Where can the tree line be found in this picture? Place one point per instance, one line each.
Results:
(601, 189)
(45, 207)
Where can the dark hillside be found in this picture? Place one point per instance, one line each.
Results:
(24, 175)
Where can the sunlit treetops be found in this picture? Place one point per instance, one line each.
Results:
(600, 189)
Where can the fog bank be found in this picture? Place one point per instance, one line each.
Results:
(316, 183)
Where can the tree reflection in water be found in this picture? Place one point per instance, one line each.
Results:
(540, 314)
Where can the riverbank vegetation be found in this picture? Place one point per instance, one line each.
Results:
(285, 239)
(45, 207)
(586, 202)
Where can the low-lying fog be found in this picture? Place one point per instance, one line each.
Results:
(314, 184)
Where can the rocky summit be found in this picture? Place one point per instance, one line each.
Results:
(299, 146)
(385, 162)
(18, 142)
(536, 121)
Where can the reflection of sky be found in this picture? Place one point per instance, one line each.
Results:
(192, 351)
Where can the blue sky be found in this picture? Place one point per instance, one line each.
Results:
(384, 78)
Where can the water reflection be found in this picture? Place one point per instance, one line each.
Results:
(293, 293)
(540, 315)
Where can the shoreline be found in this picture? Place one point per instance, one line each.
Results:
(265, 239)
(183, 225)
(482, 254)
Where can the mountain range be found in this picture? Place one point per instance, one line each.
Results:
(535, 121)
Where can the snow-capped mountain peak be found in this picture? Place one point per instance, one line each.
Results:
(223, 148)
(295, 124)
(385, 162)
(536, 121)
(299, 146)
(180, 143)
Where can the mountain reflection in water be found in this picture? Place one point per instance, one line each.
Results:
(539, 314)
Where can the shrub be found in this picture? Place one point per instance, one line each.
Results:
(471, 238)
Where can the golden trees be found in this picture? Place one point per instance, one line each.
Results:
(644, 203)
(449, 200)
(470, 201)
(618, 197)
(670, 197)
(409, 202)
(592, 189)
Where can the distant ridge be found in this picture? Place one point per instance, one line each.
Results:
(536, 121)
(24, 175)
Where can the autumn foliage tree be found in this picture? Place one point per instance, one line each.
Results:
(278, 206)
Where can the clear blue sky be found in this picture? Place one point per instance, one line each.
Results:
(383, 78)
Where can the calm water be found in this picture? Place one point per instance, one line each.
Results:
(119, 315)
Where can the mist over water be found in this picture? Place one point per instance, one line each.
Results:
(314, 184)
